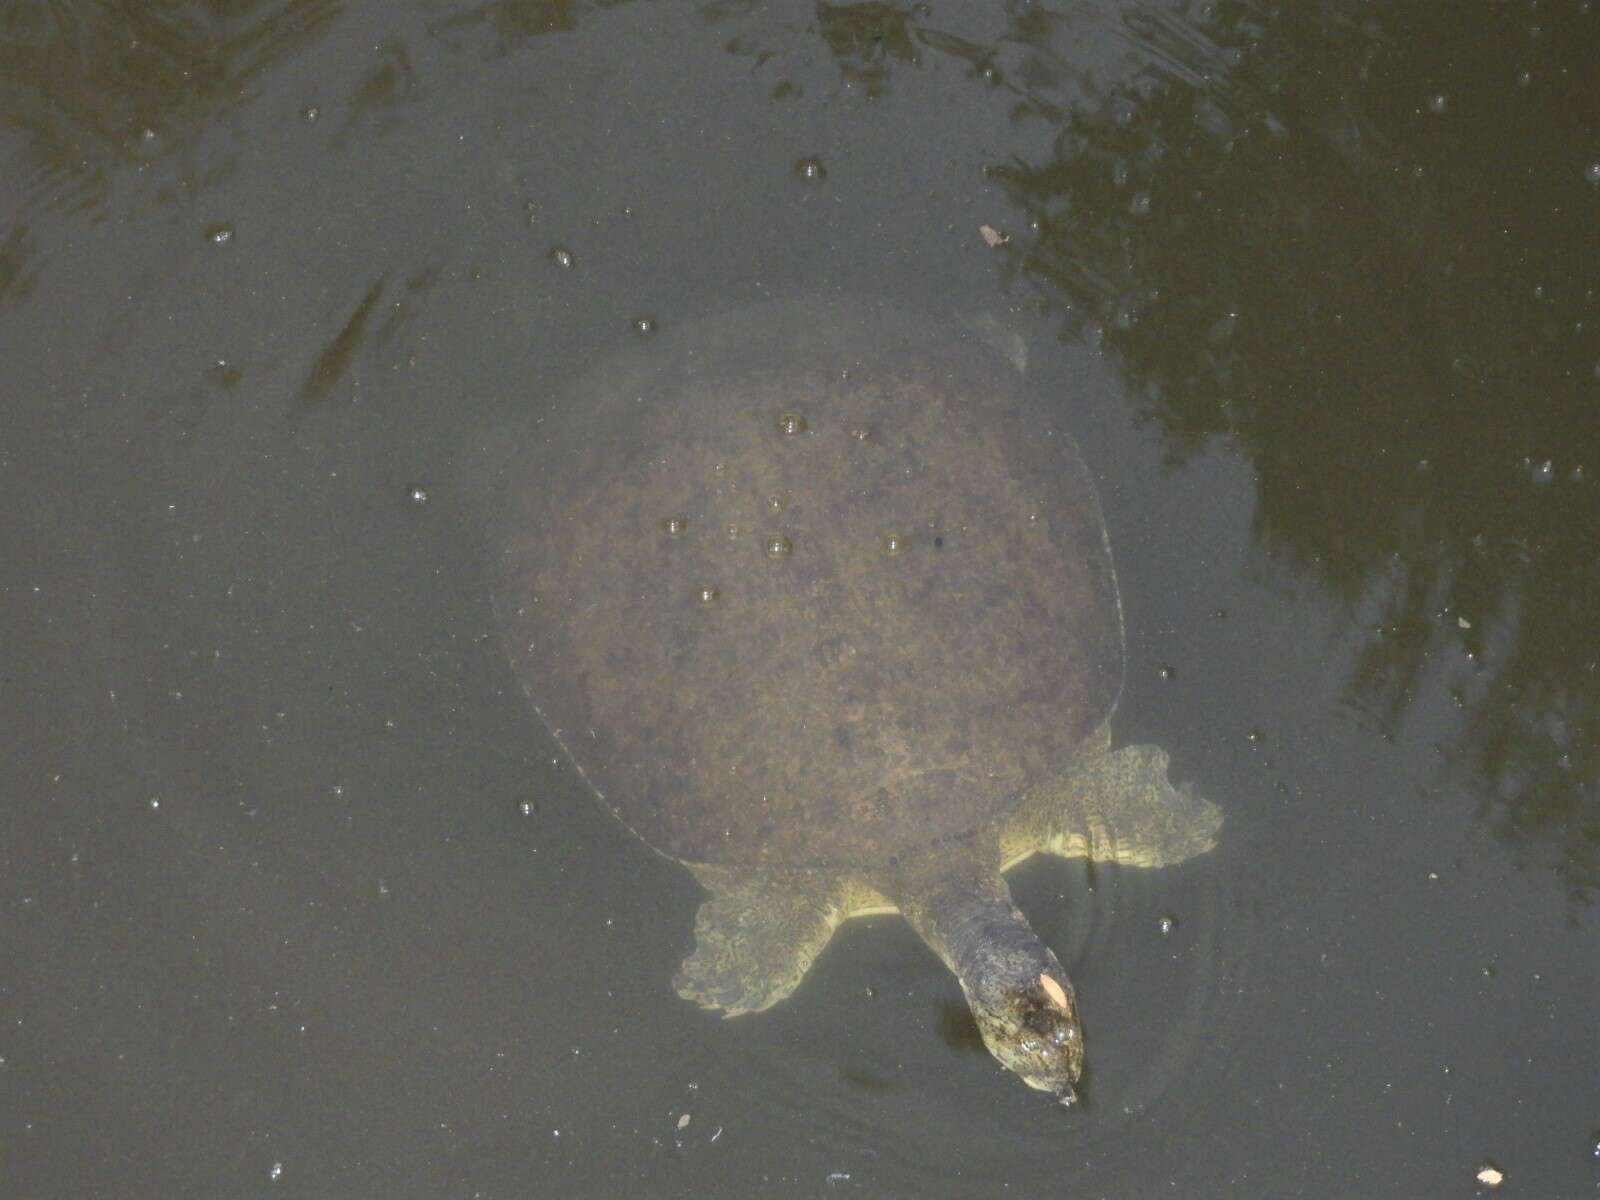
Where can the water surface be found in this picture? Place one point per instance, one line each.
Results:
(299, 898)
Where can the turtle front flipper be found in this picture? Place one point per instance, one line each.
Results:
(1115, 806)
(758, 934)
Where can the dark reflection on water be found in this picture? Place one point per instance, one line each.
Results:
(866, 39)
(870, 42)
(18, 277)
(512, 21)
(1317, 234)
(94, 89)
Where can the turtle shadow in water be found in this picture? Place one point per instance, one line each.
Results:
(958, 1029)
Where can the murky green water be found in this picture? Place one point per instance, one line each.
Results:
(299, 898)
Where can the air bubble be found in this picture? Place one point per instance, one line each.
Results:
(219, 235)
(778, 546)
(1168, 672)
(1438, 102)
(1139, 206)
(1591, 174)
(861, 435)
(675, 525)
(1543, 472)
(791, 424)
(776, 504)
(707, 594)
(562, 257)
(417, 494)
(894, 543)
(1166, 923)
(644, 326)
(1255, 737)
(811, 170)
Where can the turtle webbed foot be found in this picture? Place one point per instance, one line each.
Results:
(754, 940)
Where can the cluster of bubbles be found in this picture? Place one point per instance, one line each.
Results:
(776, 546)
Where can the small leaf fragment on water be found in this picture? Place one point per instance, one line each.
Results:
(993, 237)
(683, 1121)
(1491, 1176)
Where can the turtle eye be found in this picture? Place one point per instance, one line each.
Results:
(1061, 1035)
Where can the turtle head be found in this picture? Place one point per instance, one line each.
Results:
(1030, 1024)
(1013, 982)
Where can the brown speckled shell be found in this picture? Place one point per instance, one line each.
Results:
(840, 703)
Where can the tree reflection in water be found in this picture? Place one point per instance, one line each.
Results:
(1349, 249)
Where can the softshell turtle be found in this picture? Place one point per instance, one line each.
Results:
(819, 602)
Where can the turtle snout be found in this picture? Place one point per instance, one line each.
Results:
(1050, 1040)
